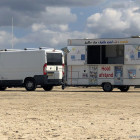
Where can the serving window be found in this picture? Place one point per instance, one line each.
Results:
(105, 54)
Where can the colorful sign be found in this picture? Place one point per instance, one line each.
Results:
(132, 73)
(118, 79)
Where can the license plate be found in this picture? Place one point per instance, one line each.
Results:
(50, 74)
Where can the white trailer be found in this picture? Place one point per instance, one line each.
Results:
(31, 67)
(110, 63)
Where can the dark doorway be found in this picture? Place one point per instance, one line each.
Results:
(93, 55)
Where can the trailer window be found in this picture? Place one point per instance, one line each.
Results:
(109, 54)
(115, 54)
(54, 58)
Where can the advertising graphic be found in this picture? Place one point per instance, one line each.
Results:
(132, 54)
(118, 75)
(132, 74)
(93, 73)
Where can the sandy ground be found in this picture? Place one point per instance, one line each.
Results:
(70, 114)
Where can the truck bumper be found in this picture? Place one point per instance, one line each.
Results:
(43, 80)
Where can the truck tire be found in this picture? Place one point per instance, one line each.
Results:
(47, 88)
(107, 87)
(124, 88)
(3, 88)
(30, 85)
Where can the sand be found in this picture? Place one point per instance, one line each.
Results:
(70, 114)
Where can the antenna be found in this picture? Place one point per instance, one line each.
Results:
(12, 34)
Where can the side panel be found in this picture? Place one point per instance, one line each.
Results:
(92, 75)
(131, 69)
(18, 65)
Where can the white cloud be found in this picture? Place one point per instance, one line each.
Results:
(6, 40)
(37, 27)
(57, 15)
(28, 12)
(38, 5)
(56, 19)
(61, 27)
(115, 22)
(47, 16)
(55, 39)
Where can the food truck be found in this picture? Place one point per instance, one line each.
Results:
(110, 63)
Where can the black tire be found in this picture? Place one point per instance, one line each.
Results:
(3, 88)
(47, 88)
(124, 88)
(30, 84)
(107, 87)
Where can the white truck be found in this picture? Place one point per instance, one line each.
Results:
(110, 63)
(30, 68)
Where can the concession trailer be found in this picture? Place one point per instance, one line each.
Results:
(110, 63)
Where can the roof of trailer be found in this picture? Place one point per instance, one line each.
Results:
(106, 38)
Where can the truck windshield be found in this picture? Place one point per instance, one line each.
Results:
(54, 58)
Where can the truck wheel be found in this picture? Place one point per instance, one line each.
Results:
(47, 88)
(30, 85)
(107, 87)
(124, 88)
(2, 88)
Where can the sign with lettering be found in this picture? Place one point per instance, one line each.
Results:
(106, 42)
(106, 72)
(85, 42)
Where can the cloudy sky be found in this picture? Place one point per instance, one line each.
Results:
(49, 23)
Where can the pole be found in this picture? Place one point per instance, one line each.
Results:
(12, 34)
